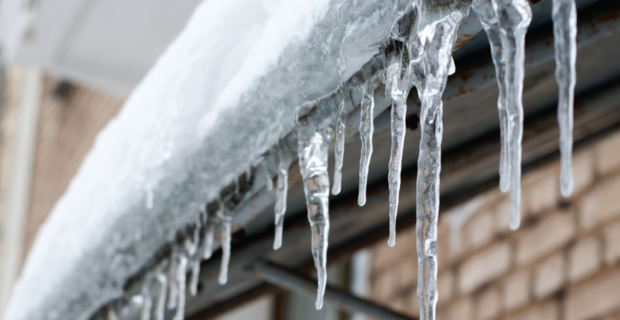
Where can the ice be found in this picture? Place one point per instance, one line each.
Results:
(490, 23)
(366, 133)
(344, 108)
(160, 307)
(285, 159)
(173, 283)
(195, 267)
(220, 97)
(180, 280)
(397, 87)
(112, 315)
(313, 146)
(565, 41)
(226, 221)
(430, 53)
(147, 303)
(506, 23)
(208, 252)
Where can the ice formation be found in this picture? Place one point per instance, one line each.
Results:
(565, 41)
(285, 159)
(162, 282)
(313, 147)
(147, 304)
(366, 132)
(223, 89)
(344, 107)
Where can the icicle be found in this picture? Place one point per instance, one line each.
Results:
(112, 314)
(344, 109)
(160, 308)
(506, 23)
(284, 162)
(490, 23)
(225, 240)
(268, 178)
(366, 134)
(339, 148)
(193, 286)
(398, 89)
(209, 241)
(565, 39)
(172, 275)
(180, 279)
(430, 48)
(147, 303)
(515, 19)
(312, 151)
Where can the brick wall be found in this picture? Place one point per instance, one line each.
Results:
(68, 126)
(563, 263)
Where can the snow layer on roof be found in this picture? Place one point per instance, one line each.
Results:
(222, 94)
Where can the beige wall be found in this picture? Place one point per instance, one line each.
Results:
(66, 131)
(563, 263)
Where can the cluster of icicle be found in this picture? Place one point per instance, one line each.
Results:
(165, 287)
(424, 36)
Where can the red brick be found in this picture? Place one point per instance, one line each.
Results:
(584, 259)
(550, 234)
(595, 298)
(549, 276)
(484, 267)
(601, 204)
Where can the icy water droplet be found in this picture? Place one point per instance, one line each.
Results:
(312, 150)
(565, 41)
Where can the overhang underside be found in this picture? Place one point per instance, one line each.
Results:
(469, 163)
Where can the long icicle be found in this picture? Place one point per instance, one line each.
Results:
(193, 284)
(366, 134)
(312, 150)
(284, 162)
(160, 307)
(147, 304)
(226, 219)
(490, 23)
(339, 146)
(173, 292)
(515, 17)
(430, 48)
(565, 40)
(398, 90)
(180, 279)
